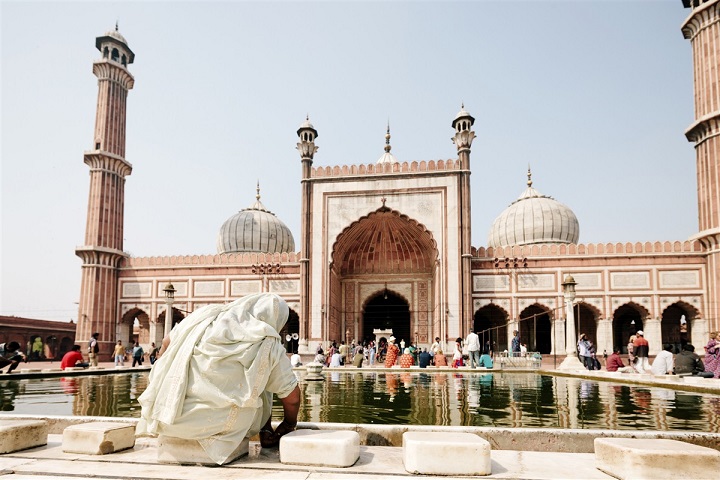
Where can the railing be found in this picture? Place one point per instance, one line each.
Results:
(518, 360)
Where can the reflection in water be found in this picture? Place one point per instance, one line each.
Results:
(416, 398)
(101, 395)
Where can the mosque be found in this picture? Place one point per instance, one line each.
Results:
(386, 246)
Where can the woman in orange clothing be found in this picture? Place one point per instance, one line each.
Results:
(406, 359)
(392, 353)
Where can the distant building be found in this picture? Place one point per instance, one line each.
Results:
(386, 246)
(55, 338)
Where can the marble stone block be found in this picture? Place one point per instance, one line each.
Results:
(326, 448)
(98, 438)
(640, 459)
(180, 450)
(51, 370)
(22, 434)
(446, 453)
(30, 370)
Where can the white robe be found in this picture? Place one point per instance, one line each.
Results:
(215, 382)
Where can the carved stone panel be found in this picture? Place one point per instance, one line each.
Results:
(491, 283)
(240, 288)
(532, 281)
(136, 289)
(680, 279)
(629, 280)
(209, 288)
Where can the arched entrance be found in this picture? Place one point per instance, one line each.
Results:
(490, 323)
(586, 316)
(675, 324)
(383, 248)
(627, 320)
(135, 326)
(535, 329)
(387, 311)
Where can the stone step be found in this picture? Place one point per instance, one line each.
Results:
(190, 452)
(446, 453)
(640, 459)
(98, 438)
(51, 370)
(18, 435)
(322, 448)
(30, 370)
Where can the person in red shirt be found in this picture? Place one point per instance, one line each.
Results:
(73, 358)
(615, 364)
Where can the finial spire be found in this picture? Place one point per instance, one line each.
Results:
(257, 191)
(529, 174)
(116, 25)
(387, 138)
(462, 105)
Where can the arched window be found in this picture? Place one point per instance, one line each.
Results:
(124, 61)
(115, 55)
(105, 52)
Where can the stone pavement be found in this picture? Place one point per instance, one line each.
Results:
(374, 463)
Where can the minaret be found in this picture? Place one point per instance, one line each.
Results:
(463, 139)
(103, 248)
(307, 148)
(702, 28)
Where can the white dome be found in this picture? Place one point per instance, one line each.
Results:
(255, 229)
(534, 218)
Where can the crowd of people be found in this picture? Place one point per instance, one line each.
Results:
(389, 353)
(669, 361)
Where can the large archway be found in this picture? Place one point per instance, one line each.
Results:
(536, 329)
(490, 323)
(627, 320)
(384, 247)
(387, 311)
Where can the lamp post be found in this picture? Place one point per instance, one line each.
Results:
(169, 297)
(571, 361)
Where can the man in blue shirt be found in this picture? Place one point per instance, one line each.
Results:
(424, 358)
(486, 361)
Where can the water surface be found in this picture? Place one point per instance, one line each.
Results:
(498, 399)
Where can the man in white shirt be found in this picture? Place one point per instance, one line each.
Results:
(664, 363)
(295, 360)
(472, 342)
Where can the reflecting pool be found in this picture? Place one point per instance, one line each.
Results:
(499, 399)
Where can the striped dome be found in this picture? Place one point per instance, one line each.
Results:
(534, 218)
(255, 229)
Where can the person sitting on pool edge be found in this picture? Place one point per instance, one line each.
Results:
(73, 358)
(10, 354)
(216, 375)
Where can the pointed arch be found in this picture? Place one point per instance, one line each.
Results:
(628, 318)
(535, 327)
(384, 242)
(490, 323)
(586, 316)
(673, 330)
(127, 332)
(386, 309)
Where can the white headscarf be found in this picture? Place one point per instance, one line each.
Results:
(210, 385)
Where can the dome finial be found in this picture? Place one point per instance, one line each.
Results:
(387, 138)
(257, 191)
(116, 25)
(529, 174)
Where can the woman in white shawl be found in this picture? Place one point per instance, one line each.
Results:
(216, 375)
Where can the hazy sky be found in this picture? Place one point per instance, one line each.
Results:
(595, 96)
